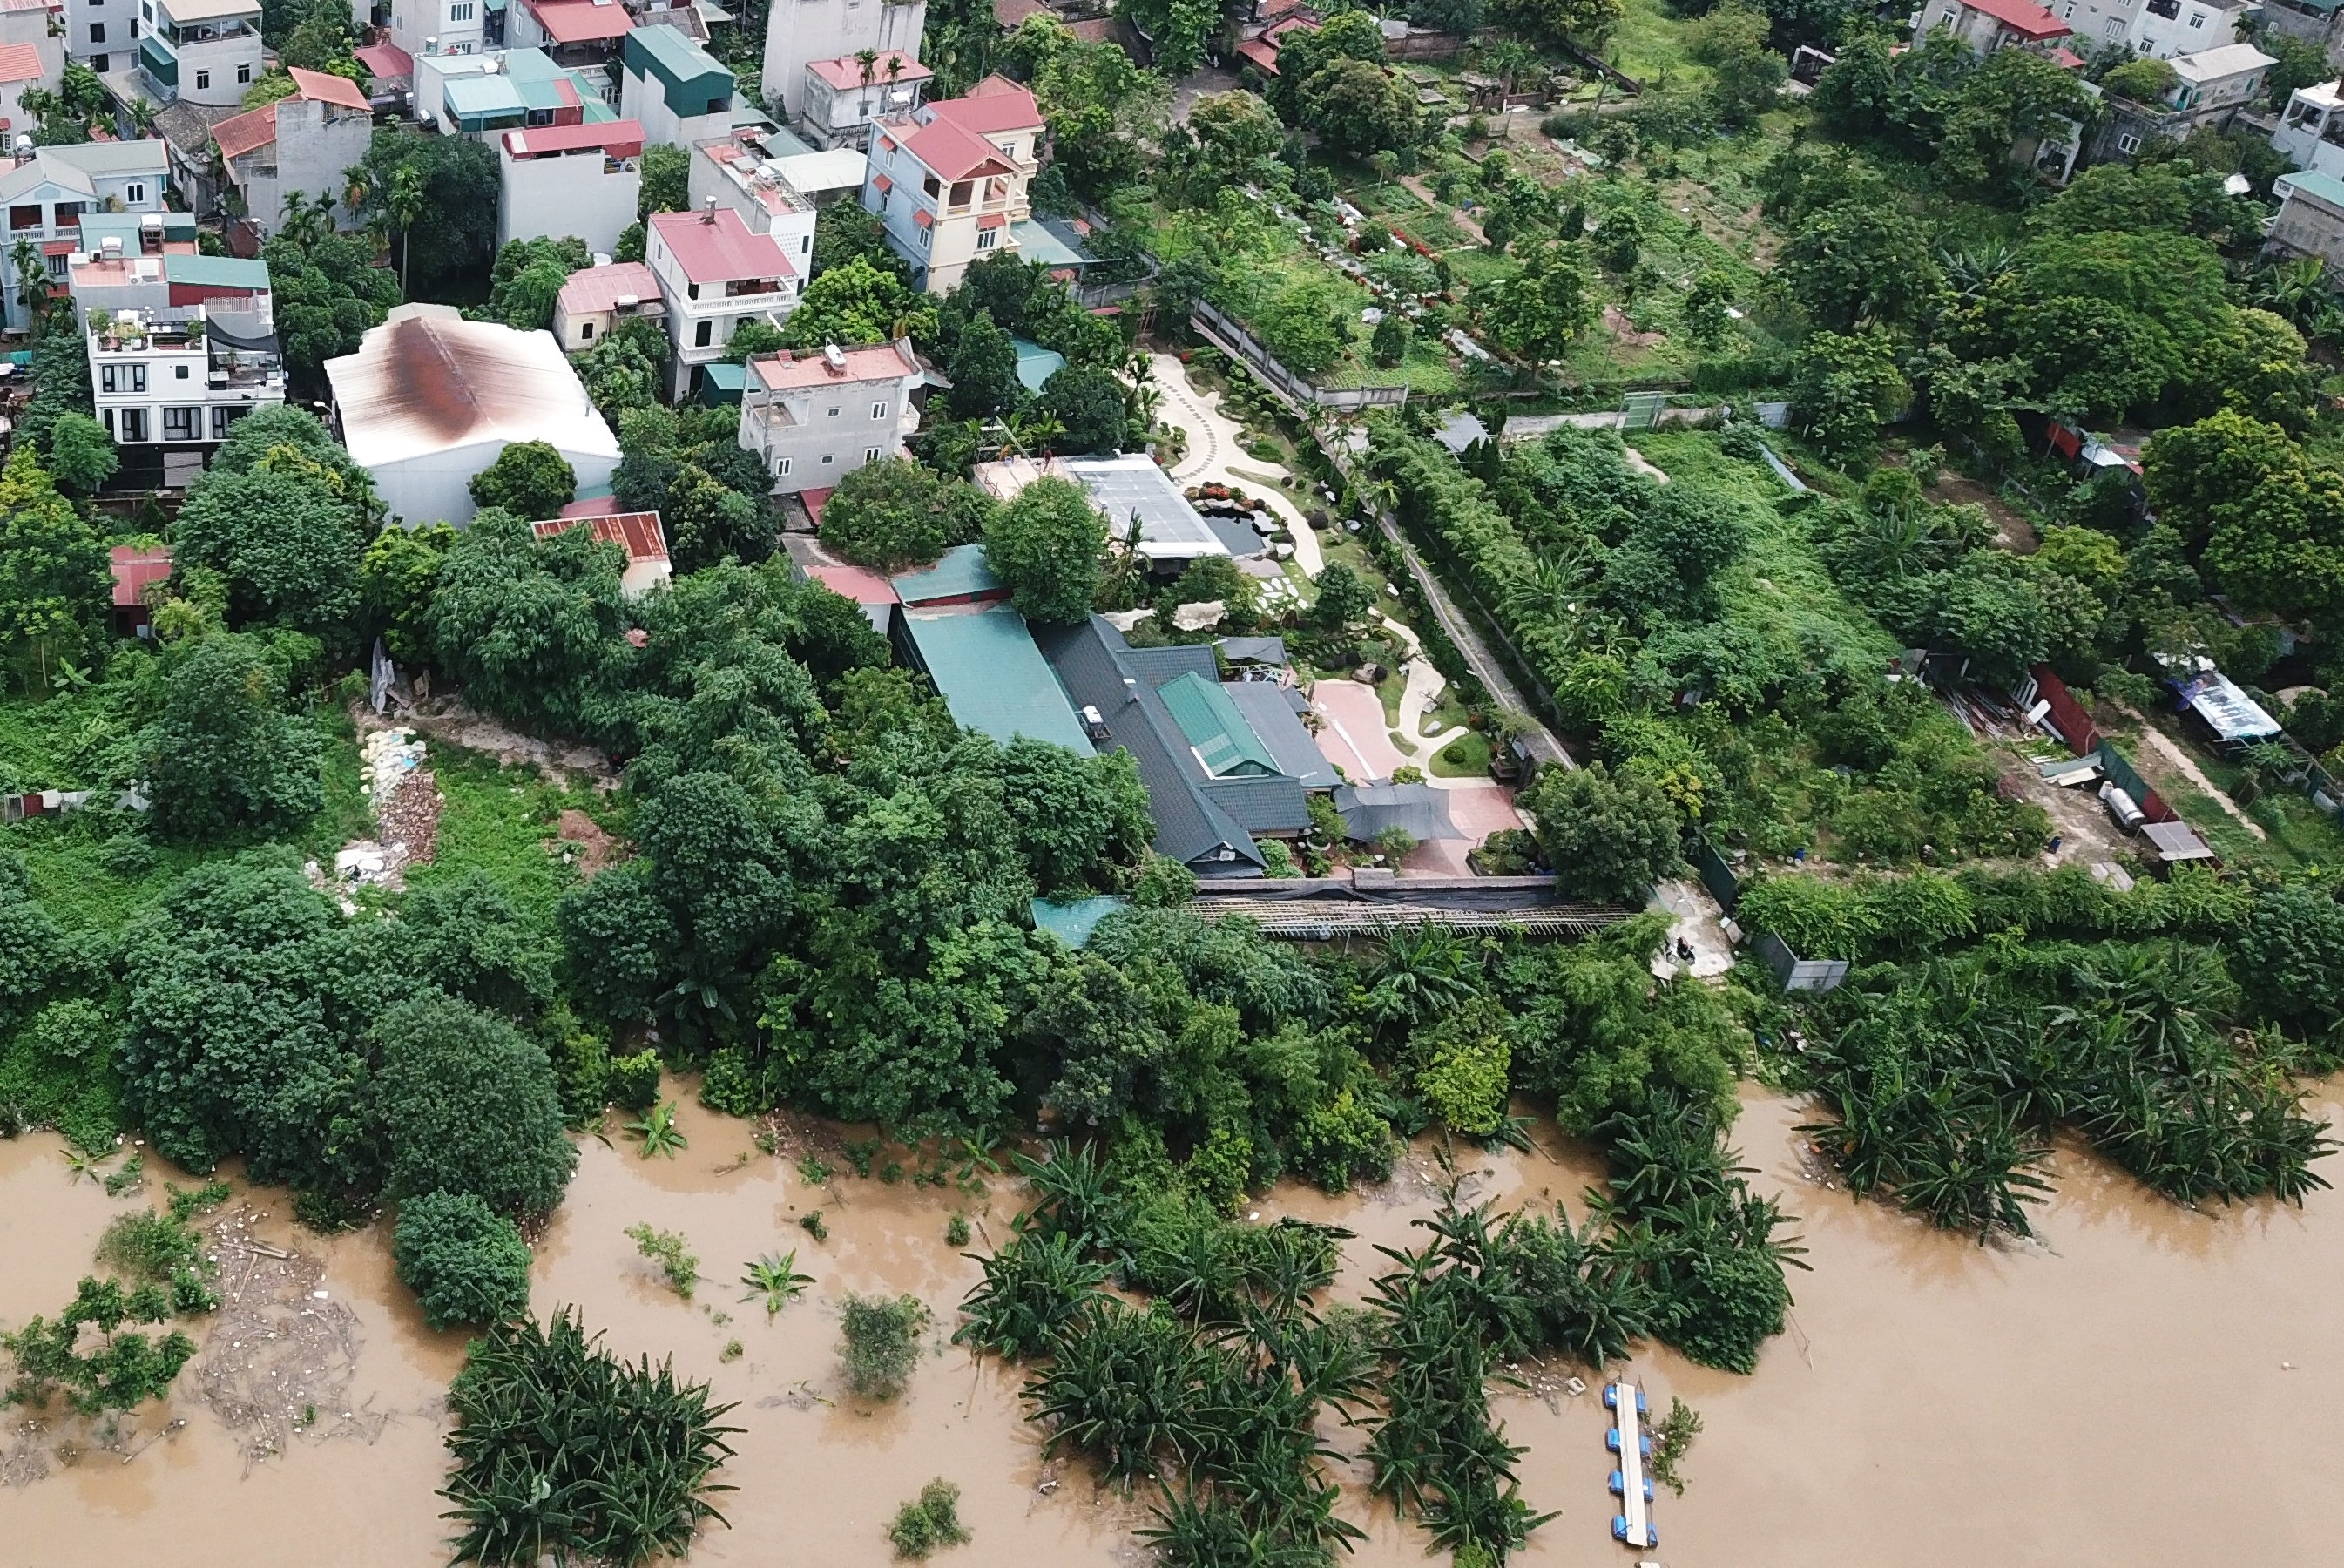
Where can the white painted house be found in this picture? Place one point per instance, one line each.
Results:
(844, 95)
(583, 179)
(181, 346)
(430, 399)
(950, 179)
(44, 197)
(2310, 133)
(305, 144)
(740, 172)
(798, 32)
(716, 272)
(676, 88)
(199, 51)
(811, 417)
(22, 65)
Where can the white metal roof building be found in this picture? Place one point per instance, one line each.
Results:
(430, 399)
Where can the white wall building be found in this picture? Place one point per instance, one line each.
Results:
(716, 272)
(100, 33)
(738, 172)
(843, 96)
(800, 31)
(305, 144)
(430, 399)
(2311, 131)
(582, 180)
(22, 65)
(422, 27)
(181, 346)
(594, 302)
(810, 418)
(44, 197)
(950, 179)
(202, 51)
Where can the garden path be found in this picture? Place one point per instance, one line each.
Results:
(2172, 752)
(1414, 185)
(1213, 448)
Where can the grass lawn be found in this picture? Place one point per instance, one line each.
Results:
(1472, 752)
(500, 821)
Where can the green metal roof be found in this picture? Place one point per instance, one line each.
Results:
(479, 97)
(2321, 187)
(960, 574)
(216, 271)
(992, 679)
(1225, 742)
(1073, 923)
(690, 77)
(1035, 364)
(721, 383)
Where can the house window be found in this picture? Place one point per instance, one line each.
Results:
(222, 418)
(98, 63)
(878, 410)
(134, 192)
(985, 236)
(2197, 18)
(137, 379)
(25, 217)
(57, 267)
(244, 73)
(924, 239)
(871, 454)
(2127, 143)
(203, 80)
(781, 467)
(962, 190)
(834, 413)
(182, 424)
(179, 371)
(700, 334)
(586, 331)
(106, 379)
(461, 12)
(2116, 27)
(97, 32)
(107, 415)
(134, 424)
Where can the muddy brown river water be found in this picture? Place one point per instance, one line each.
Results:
(2146, 1386)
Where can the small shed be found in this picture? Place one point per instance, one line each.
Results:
(1268, 651)
(1459, 430)
(136, 568)
(721, 385)
(1418, 810)
(2177, 844)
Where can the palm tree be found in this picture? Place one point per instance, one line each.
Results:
(33, 285)
(405, 201)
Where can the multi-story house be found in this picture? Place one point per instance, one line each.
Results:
(1986, 25)
(742, 171)
(181, 346)
(2313, 21)
(673, 86)
(481, 96)
(21, 66)
(845, 94)
(595, 300)
(43, 198)
(303, 145)
(422, 27)
(2209, 89)
(716, 272)
(2160, 29)
(810, 418)
(950, 179)
(561, 180)
(798, 32)
(199, 51)
(100, 33)
(585, 34)
(24, 24)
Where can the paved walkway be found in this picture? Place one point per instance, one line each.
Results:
(1214, 456)
(1356, 737)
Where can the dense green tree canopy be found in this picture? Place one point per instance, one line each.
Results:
(468, 1106)
(223, 757)
(529, 480)
(896, 513)
(1047, 545)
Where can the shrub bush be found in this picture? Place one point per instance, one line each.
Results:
(465, 1263)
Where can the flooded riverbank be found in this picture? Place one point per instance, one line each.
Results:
(1934, 1403)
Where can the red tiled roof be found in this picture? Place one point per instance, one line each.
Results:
(580, 21)
(7, 5)
(717, 246)
(2022, 17)
(849, 581)
(1263, 55)
(246, 132)
(2067, 59)
(134, 567)
(326, 89)
(619, 138)
(923, 217)
(785, 372)
(845, 72)
(995, 103)
(385, 61)
(602, 287)
(636, 533)
(882, 182)
(1010, 12)
(813, 501)
(19, 63)
(954, 152)
(993, 220)
(592, 506)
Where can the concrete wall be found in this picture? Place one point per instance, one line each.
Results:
(554, 198)
(797, 31)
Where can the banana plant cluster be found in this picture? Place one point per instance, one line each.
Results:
(564, 1453)
(1945, 1081)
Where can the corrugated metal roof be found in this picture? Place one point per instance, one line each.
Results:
(959, 573)
(217, 272)
(423, 384)
(1222, 739)
(985, 666)
(1418, 809)
(2321, 187)
(1270, 711)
